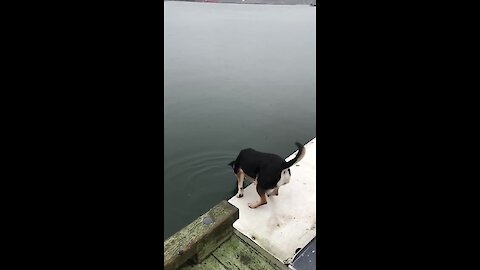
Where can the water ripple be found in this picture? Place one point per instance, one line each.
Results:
(198, 166)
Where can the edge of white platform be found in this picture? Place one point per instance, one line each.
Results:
(287, 223)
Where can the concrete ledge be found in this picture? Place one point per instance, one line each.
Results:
(198, 239)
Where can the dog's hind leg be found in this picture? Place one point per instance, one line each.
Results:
(263, 198)
(273, 192)
(240, 176)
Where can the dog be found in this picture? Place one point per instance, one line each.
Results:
(268, 171)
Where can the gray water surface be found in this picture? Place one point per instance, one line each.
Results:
(236, 76)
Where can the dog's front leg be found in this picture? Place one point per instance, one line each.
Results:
(240, 177)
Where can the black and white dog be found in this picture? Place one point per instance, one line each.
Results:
(269, 171)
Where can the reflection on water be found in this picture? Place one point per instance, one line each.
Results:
(236, 76)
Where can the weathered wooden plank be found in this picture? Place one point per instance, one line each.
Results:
(198, 239)
(260, 250)
(210, 263)
(236, 254)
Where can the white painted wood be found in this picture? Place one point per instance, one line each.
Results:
(288, 221)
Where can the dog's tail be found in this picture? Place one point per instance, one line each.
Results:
(297, 158)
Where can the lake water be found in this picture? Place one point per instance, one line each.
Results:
(236, 76)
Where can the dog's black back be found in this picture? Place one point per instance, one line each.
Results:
(264, 165)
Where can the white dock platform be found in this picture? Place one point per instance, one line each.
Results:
(287, 223)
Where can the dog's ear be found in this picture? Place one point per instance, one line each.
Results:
(231, 163)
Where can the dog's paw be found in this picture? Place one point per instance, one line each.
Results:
(240, 195)
(255, 204)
